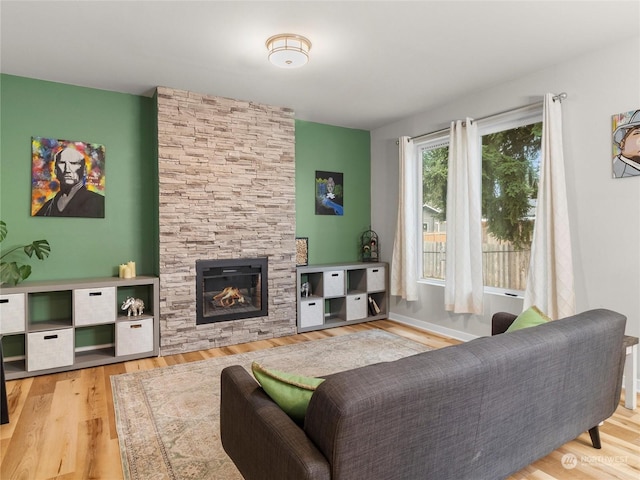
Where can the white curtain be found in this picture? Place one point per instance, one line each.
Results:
(404, 262)
(463, 292)
(550, 280)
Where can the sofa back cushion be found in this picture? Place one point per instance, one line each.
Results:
(483, 409)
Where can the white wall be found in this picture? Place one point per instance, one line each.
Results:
(605, 212)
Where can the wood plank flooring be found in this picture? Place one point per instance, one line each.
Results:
(63, 425)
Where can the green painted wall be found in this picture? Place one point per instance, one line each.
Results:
(125, 124)
(333, 149)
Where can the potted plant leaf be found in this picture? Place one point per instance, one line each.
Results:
(13, 272)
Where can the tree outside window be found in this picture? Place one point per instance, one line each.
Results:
(510, 171)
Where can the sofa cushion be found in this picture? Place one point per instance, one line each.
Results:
(290, 391)
(531, 317)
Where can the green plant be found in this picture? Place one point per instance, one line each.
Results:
(12, 272)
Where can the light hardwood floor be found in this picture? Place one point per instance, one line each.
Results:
(63, 425)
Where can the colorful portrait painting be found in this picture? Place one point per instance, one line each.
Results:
(67, 178)
(329, 193)
(626, 144)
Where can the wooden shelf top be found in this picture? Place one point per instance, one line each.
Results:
(59, 285)
(340, 266)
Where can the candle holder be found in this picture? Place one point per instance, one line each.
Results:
(369, 246)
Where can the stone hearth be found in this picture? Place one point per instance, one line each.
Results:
(226, 190)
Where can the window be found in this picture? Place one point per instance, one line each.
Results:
(510, 146)
(434, 199)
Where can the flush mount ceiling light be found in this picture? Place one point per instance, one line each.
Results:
(288, 50)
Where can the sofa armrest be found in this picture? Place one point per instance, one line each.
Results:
(260, 438)
(501, 321)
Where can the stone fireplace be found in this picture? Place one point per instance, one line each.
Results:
(226, 172)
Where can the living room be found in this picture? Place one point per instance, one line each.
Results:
(605, 222)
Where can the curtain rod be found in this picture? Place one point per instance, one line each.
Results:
(560, 97)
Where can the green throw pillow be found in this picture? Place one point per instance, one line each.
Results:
(291, 392)
(531, 317)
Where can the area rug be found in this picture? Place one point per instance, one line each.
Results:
(168, 418)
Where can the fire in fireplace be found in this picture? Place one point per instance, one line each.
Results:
(231, 289)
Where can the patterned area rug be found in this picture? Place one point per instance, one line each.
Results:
(168, 418)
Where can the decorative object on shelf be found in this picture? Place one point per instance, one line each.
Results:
(626, 127)
(67, 178)
(305, 290)
(369, 246)
(302, 251)
(13, 273)
(127, 270)
(374, 309)
(329, 193)
(288, 50)
(134, 306)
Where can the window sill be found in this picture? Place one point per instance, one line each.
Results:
(487, 290)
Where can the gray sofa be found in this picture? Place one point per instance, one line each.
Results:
(481, 410)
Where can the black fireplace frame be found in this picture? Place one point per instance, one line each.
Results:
(203, 266)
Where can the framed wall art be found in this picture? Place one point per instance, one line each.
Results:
(626, 144)
(329, 193)
(302, 251)
(67, 178)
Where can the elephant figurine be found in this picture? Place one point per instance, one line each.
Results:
(134, 306)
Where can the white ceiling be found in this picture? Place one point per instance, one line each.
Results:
(372, 62)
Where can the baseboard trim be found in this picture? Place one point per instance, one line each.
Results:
(432, 327)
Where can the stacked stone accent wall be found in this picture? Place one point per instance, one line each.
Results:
(226, 190)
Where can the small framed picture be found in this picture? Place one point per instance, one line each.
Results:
(302, 251)
(329, 193)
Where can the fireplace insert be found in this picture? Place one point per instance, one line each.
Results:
(231, 289)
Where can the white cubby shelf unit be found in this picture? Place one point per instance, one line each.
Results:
(341, 294)
(56, 326)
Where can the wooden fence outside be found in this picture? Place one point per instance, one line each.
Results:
(503, 267)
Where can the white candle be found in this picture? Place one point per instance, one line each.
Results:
(121, 268)
(127, 272)
(132, 268)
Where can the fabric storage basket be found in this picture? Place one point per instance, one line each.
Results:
(49, 349)
(376, 279)
(92, 306)
(134, 336)
(356, 306)
(311, 312)
(12, 313)
(333, 283)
